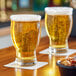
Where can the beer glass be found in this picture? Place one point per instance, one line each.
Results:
(25, 33)
(58, 23)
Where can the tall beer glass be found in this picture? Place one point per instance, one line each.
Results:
(58, 23)
(25, 33)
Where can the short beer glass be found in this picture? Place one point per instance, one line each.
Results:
(25, 33)
(58, 23)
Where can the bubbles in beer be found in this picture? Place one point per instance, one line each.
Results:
(58, 28)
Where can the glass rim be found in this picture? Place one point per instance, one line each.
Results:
(59, 10)
(25, 17)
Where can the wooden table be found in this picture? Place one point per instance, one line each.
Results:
(7, 55)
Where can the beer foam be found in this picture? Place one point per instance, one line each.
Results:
(26, 17)
(59, 10)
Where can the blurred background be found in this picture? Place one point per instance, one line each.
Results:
(9, 7)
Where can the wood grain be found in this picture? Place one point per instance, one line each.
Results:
(7, 55)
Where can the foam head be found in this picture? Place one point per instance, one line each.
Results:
(27, 17)
(59, 10)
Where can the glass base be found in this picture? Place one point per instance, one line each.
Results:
(60, 50)
(26, 62)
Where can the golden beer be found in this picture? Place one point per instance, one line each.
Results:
(25, 35)
(58, 26)
(58, 29)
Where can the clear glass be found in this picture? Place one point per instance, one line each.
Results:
(25, 33)
(58, 23)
